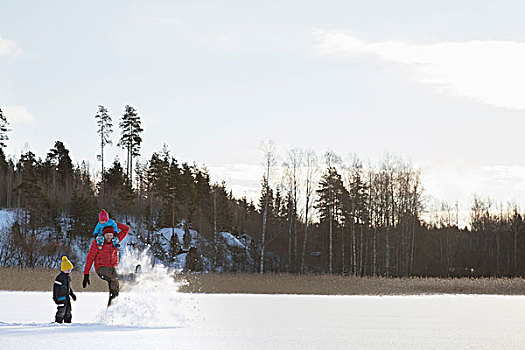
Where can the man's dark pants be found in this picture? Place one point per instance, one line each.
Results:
(109, 274)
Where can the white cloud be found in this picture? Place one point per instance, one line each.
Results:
(504, 173)
(452, 180)
(242, 179)
(18, 115)
(490, 71)
(8, 48)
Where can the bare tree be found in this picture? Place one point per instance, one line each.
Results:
(357, 203)
(387, 170)
(312, 171)
(517, 226)
(372, 216)
(293, 166)
(269, 162)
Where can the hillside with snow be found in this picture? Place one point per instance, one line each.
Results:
(168, 246)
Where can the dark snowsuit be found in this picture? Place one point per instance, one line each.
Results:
(61, 293)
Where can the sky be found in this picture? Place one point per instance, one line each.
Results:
(438, 83)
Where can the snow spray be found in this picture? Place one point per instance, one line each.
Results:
(152, 300)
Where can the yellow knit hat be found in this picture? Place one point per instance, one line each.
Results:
(66, 264)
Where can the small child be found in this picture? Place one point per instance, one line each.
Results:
(104, 221)
(62, 291)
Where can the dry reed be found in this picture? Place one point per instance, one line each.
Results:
(42, 280)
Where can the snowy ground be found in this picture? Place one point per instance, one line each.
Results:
(204, 321)
(153, 314)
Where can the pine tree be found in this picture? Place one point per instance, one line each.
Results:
(5, 170)
(130, 139)
(125, 198)
(3, 137)
(163, 177)
(82, 206)
(3, 129)
(193, 260)
(82, 211)
(204, 215)
(186, 238)
(330, 204)
(3, 162)
(357, 213)
(6, 179)
(59, 157)
(223, 208)
(175, 247)
(119, 191)
(114, 178)
(105, 128)
(222, 217)
(188, 193)
(31, 196)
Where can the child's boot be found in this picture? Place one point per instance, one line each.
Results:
(100, 241)
(116, 242)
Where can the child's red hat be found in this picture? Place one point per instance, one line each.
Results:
(103, 216)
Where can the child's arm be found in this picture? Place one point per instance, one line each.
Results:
(56, 287)
(97, 229)
(115, 227)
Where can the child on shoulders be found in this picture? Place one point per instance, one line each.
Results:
(105, 221)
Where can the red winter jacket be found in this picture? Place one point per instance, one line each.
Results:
(107, 255)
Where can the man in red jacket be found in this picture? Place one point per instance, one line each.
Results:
(106, 259)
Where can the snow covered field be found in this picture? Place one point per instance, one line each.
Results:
(152, 314)
(205, 321)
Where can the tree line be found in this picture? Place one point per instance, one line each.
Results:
(315, 213)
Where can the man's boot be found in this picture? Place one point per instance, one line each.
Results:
(111, 297)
